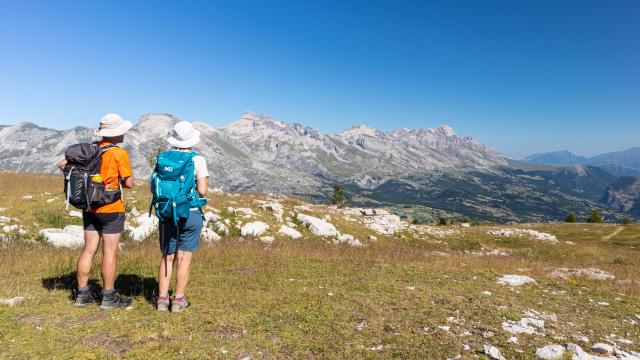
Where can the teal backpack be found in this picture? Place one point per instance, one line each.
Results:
(173, 187)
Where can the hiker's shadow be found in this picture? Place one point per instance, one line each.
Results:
(126, 284)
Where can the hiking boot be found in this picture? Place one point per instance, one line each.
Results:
(163, 304)
(84, 298)
(179, 305)
(115, 300)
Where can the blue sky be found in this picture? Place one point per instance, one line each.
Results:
(521, 76)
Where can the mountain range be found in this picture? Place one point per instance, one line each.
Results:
(426, 168)
(619, 163)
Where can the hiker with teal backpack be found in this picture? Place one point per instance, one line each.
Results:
(179, 188)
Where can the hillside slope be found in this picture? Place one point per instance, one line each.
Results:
(405, 291)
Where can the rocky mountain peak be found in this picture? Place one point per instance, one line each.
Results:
(359, 130)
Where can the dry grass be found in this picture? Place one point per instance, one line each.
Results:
(305, 298)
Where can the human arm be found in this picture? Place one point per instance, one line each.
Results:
(61, 164)
(202, 175)
(202, 186)
(127, 182)
(124, 171)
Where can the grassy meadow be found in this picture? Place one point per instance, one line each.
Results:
(433, 295)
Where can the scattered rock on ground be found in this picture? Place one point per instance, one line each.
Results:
(146, 225)
(550, 352)
(290, 232)
(526, 232)
(72, 236)
(317, 226)
(76, 214)
(515, 280)
(255, 228)
(590, 273)
(210, 235)
(12, 301)
(493, 353)
(602, 349)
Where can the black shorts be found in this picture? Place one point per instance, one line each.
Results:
(107, 223)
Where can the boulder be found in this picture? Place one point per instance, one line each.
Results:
(342, 238)
(146, 225)
(590, 273)
(209, 235)
(5, 219)
(290, 232)
(317, 226)
(11, 228)
(27, 197)
(76, 214)
(72, 236)
(492, 352)
(255, 228)
(244, 211)
(221, 228)
(550, 352)
(12, 301)
(602, 349)
(515, 280)
(210, 216)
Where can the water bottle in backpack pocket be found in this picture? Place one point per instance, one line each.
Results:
(173, 186)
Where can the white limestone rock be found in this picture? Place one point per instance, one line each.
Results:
(493, 352)
(255, 228)
(12, 301)
(210, 236)
(602, 349)
(590, 273)
(75, 214)
(72, 236)
(290, 232)
(146, 225)
(515, 280)
(317, 226)
(550, 352)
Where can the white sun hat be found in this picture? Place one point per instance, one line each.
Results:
(112, 125)
(184, 135)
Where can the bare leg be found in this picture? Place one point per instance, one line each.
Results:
(109, 259)
(91, 242)
(164, 278)
(182, 274)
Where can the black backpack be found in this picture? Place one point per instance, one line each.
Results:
(83, 161)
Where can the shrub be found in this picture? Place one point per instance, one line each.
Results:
(571, 218)
(595, 217)
(628, 220)
(442, 221)
(338, 197)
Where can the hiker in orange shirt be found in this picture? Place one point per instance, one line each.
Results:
(107, 221)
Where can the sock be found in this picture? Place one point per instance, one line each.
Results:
(109, 292)
(163, 296)
(83, 288)
(179, 297)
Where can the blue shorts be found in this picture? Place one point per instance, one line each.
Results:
(184, 237)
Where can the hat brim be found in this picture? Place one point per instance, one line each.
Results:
(183, 144)
(116, 131)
